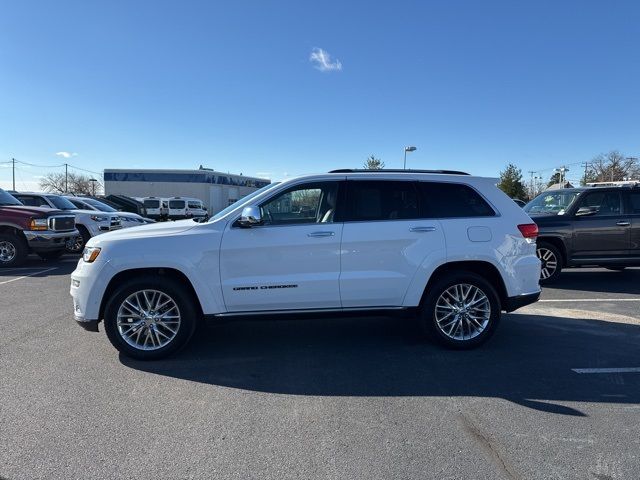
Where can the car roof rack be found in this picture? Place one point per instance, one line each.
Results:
(396, 170)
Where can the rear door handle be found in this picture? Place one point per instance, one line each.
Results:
(422, 229)
(321, 234)
(623, 223)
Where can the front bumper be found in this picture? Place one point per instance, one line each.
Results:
(42, 241)
(513, 303)
(88, 325)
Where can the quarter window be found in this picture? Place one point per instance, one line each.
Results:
(310, 203)
(381, 200)
(635, 202)
(452, 200)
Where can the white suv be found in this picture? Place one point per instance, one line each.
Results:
(448, 246)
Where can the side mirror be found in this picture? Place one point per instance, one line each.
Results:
(586, 211)
(250, 217)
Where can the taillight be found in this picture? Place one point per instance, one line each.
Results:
(528, 230)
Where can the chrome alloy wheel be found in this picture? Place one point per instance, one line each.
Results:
(549, 262)
(462, 312)
(75, 245)
(148, 319)
(7, 252)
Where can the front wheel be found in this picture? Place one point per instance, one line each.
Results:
(13, 250)
(149, 318)
(461, 310)
(551, 262)
(76, 244)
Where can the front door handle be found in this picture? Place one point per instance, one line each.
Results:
(623, 223)
(422, 229)
(321, 234)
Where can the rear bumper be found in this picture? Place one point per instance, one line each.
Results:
(514, 303)
(47, 241)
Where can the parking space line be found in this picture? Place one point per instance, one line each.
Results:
(30, 275)
(590, 300)
(607, 370)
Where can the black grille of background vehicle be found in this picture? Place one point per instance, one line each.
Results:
(115, 222)
(62, 224)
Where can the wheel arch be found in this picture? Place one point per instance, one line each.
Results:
(162, 272)
(482, 268)
(559, 244)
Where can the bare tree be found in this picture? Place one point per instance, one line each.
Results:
(57, 182)
(373, 163)
(612, 167)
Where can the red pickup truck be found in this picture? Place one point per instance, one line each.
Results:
(24, 230)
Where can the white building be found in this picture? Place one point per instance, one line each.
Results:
(215, 189)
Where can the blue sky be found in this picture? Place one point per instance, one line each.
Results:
(232, 85)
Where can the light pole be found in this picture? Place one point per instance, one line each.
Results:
(93, 185)
(407, 149)
(561, 171)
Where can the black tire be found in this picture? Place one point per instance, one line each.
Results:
(616, 269)
(76, 247)
(13, 250)
(551, 259)
(52, 255)
(177, 292)
(433, 329)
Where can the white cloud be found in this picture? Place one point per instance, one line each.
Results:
(66, 154)
(322, 61)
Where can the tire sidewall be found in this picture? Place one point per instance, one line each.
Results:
(427, 314)
(21, 250)
(84, 233)
(558, 255)
(177, 292)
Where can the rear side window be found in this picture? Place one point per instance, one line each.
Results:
(452, 200)
(381, 200)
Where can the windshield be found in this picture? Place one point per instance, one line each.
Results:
(194, 205)
(556, 202)
(242, 201)
(8, 199)
(99, 205)
(61, 203)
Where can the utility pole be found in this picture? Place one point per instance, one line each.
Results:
(66, 178)
(586, 165)
(14, 174)
(533, 192)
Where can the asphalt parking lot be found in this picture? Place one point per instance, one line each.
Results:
(554, 395)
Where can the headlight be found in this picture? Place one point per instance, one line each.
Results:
(99, 218)
(90, 254)
(38, 224)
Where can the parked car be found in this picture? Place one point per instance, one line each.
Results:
(124, 203)
(186, 207)
(588, 226)
(88, 222)
(157, 208)
(448, 246)
(25, 230)
(128, 219)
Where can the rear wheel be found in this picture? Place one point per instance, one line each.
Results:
(461, 310)
(150, 318)
(551, 260)
(13, 250)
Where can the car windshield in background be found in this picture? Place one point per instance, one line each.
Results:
(551, 203)
(99, 205)
(8, 199)
(61, 203)
(242, 201)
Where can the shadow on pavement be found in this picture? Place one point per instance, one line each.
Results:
(602, 280)
(528, 362)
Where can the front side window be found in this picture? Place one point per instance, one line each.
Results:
(452, 200)
(310, 203)
(381, 200)
(604, 204)
(635, 202)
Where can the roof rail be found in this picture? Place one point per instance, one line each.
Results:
(392, 170)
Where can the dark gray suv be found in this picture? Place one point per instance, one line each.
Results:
(591, 226)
